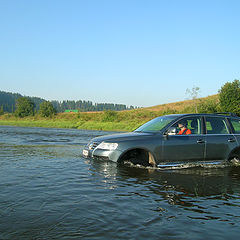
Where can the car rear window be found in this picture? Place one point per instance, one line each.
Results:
(216, 125)
(236, 125)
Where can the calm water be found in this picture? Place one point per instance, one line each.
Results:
(48, 191)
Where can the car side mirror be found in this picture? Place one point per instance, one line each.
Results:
(171, 131)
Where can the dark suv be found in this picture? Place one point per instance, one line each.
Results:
(213, 138)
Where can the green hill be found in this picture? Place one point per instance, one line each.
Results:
(110, 120)
(182, 106)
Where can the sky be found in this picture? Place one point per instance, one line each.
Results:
(134, 52)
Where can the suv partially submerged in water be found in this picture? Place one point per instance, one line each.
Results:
(213, 138)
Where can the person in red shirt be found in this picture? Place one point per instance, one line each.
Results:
(183, 129)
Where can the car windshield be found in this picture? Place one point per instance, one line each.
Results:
(156, 124)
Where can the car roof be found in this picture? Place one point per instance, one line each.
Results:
(223, 114)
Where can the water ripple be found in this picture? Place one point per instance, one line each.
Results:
(48, 191)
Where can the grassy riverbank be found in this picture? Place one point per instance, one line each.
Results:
(90, 121)
(107, 120)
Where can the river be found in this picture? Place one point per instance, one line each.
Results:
(49, 191)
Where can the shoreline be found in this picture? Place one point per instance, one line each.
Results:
(105, 121)
(81, 125)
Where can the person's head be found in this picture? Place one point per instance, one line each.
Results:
(182, 124)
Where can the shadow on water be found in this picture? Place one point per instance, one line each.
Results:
(206, 196)
(192, 182)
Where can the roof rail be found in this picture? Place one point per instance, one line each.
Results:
(227, 113)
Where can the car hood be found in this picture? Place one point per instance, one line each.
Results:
(131, 136)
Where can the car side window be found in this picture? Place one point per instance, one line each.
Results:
(191, 123)
(236, 125)
(216, 125)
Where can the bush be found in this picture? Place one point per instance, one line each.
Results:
(47, 109)
(208, 106)
(169, 111)
(24, 107)
(229, 97)
(109, 116)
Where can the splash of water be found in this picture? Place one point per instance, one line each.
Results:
(173, 166)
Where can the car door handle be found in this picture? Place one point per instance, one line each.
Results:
(200, 141)
(231, 140)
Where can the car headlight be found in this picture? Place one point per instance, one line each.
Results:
(107, 146)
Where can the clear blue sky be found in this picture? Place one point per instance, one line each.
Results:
(134, 52)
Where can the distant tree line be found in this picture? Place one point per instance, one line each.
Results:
(88, 106)
(8, 103)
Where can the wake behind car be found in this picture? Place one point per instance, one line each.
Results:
(173, 140)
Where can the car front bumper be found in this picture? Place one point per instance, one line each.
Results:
(112, 155)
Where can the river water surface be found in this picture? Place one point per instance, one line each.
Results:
(49, 191)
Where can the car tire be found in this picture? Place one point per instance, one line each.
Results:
(145, 161)
(235, 159)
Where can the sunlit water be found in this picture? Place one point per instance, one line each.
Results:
(48, 191)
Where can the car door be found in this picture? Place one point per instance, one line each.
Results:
(181, 148)
(219, 140)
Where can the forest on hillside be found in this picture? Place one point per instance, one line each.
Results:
(8, 104)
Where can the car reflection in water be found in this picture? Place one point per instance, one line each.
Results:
(182, 187)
